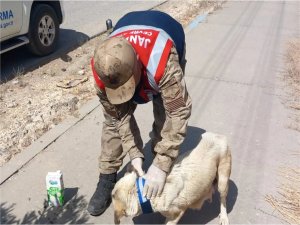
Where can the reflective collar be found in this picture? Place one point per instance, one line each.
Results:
(144, 202)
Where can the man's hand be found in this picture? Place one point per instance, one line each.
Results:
(155, 182)
(137, 165)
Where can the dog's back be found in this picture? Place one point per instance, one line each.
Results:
(190, 181)
(211, 147)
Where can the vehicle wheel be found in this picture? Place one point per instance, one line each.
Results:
(43, 30)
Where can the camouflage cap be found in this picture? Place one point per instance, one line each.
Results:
(115, 62)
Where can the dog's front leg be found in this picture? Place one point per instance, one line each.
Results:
(174, 218)
(116, 218)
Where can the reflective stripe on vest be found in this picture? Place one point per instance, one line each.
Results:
(159, 54)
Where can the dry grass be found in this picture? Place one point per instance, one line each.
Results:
(292, 81)
(287, 201)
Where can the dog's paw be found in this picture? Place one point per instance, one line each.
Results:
(223, 219)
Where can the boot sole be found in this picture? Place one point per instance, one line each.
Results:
(101, 211)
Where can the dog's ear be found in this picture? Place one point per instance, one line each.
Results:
(131, 169)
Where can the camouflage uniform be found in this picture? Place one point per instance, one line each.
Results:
(171, 109)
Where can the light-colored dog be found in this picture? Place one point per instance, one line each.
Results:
(188, 185)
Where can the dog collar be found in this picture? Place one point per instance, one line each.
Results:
(144, 202)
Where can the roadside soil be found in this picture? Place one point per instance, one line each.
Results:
(287, 199)
(291, 78)
(33, 103)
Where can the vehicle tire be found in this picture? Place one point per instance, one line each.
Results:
(43, 30)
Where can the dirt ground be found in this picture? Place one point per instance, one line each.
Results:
(291, 78)
(34, 102)
(286, 200)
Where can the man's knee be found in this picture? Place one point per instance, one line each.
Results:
(109, 167)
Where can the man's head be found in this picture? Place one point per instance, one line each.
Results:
(116, 64)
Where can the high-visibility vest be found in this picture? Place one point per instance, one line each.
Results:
(153, 46)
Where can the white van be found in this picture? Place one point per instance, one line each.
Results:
(30, 22)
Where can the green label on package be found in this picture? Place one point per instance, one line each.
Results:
(55, 188)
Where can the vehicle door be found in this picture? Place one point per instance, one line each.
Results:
(11, 18)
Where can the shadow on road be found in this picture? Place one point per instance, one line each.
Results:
(191, 141)
(20, 60)
(73, 212)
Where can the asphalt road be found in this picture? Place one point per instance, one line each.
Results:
(83, 19)
(235, 59)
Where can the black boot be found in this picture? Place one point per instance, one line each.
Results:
(101, 199)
